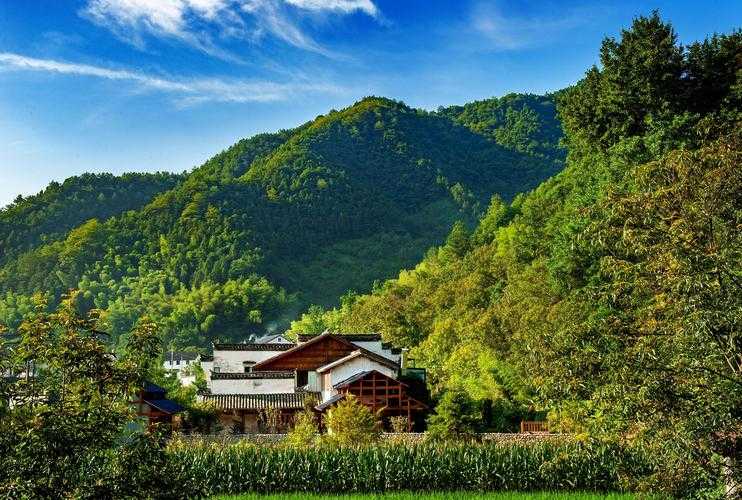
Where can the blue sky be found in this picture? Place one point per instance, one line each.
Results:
(146, 85)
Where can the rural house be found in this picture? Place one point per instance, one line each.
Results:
(318, 371)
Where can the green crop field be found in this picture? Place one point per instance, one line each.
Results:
(439, 496)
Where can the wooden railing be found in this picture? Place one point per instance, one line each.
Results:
(534, 426)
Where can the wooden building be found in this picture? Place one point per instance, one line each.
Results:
(153, 406)
(247, 379)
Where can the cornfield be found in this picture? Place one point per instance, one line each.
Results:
(212, 469)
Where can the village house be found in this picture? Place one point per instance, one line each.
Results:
(153, 407)
(246, 380)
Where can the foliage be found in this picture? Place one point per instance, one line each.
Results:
(608, 296)
(457, 416)
(270, 419)
(400, 424)
(350, 423)
(443, 496)
(65, 412)
(305, 431)
(387, 468)
(47, 216)
(239, 245)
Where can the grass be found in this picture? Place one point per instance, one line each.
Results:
(438, 496)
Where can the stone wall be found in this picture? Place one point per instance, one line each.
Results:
(409, 438)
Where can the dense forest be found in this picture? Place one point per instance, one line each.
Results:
(241, 244)
(609, 296)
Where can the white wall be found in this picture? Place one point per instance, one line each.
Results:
(375, 347)
(233, 361)
(253, 386)
(352, 367)
(175, 365)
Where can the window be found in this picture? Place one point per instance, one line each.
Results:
(302, 378)
(247, 366)
(216, 369)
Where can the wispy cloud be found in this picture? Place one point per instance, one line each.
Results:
(193, 21)
(505, 31)
(185, 91)
(344, 6)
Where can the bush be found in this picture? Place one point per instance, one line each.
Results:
(456, 416)
(351, 423)
(305, 432)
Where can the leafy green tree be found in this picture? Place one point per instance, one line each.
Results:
(608, 296)
(457, 416)
(65, 412)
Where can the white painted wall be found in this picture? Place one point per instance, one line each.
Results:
(280, 340)
(347, 370)
(177, 364)
(253, 386)
(375, 347)
(233, 361)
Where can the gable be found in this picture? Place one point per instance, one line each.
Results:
(310, 355)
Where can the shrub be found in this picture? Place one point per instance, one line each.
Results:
(305, 431)
(400, 424)
(456, 416)
(350, 423)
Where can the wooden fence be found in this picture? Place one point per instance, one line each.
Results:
(534, 426)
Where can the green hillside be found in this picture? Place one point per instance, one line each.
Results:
(49, 215)
(276, 222)
(610, 295)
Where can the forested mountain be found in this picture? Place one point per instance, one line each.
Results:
(610, 296)
(277, 221)
(49, 215)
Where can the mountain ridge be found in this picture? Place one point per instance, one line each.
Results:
(277, 221)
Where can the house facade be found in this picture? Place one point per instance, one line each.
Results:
(260, 386)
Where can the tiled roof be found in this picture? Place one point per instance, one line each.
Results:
(150, 387)
(334, 399)
(351, 337)
(281, 401)
(250, 375)
(165, 405)
(253, 347)
(207, 359)
(360, 375)
(356, 337)
(351, 379)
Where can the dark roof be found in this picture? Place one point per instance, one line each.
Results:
(165, 405)
(356, 337)
(317, 338)
(207, 358)
(334, 399)
(358, 376)
(351, 337)
(281, 401)
(250, 375)
(150, 387)
(253, 347)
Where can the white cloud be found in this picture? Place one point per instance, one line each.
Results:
(191, 21)
(509, 32)
(344, 6)
(185, 91)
